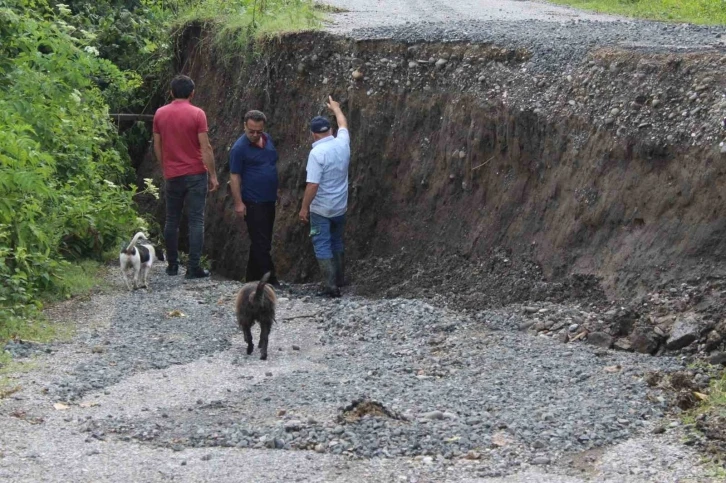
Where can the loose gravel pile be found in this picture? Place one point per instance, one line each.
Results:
(441, 385)
(405, 381)
(151, 331)
(554, 44)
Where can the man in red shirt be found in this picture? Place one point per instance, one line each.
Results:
(182, 147)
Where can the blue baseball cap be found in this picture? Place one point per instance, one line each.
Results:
(319, 124)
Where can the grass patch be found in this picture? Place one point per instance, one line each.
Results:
(707, 12)
(714, 471)
(240, 21)
(324, 7)
(78, 279)
(708, 420)
(75, 280)
(34, 329)
(8, 385)
(715, 403)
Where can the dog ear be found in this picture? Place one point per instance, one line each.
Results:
(159, 253)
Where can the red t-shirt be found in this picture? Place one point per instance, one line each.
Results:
(179, 124)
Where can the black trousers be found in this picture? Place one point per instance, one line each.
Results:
(192, 190)
(260, 220)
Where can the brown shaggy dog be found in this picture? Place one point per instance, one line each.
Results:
(256, 302)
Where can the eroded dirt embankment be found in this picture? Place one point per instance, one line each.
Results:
(474, 173)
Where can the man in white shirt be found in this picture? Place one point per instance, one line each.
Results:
(326, 196)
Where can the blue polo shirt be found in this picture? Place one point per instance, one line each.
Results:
(258, 168)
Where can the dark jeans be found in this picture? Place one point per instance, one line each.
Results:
(260, 220)
(327, 235)
(191, 189)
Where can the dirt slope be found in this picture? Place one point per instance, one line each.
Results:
(609, 168)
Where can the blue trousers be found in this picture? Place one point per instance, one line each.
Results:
(327, 235)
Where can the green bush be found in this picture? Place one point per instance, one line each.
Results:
(61, 174)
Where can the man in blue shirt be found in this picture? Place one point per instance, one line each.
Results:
(253, 180)
(326, 196)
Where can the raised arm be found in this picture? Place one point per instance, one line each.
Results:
(334, 106)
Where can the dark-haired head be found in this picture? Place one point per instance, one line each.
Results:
(182, 87)
(257, 116)
(255, 125)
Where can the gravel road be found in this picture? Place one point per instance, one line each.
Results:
(557, 36)
(155, 386)
(357, 14)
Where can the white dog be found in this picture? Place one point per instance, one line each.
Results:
(139, 255)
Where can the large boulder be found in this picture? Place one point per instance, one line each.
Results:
(684, 332)
(645, 341)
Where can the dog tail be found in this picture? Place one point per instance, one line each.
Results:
(130, 249)
(261, 287)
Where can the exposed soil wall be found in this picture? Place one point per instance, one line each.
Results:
(470, 173)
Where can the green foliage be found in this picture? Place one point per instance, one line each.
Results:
(133, 35)
(60, 169)
(710, 12)
(64, 170)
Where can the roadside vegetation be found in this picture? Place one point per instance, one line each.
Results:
(708, 12)
(66, 183)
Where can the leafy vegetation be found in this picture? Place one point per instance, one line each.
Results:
(707, 419)
(64, 169)
(710, 12)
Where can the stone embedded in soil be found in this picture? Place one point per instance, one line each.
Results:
(623, 345)
(644, 341)
(713, 340)
(600, 339)
(433, 415)
(293, 425)
(718, 358)
(684, 332)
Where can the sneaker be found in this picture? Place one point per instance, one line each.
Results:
(196, 273)
(172, 270)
